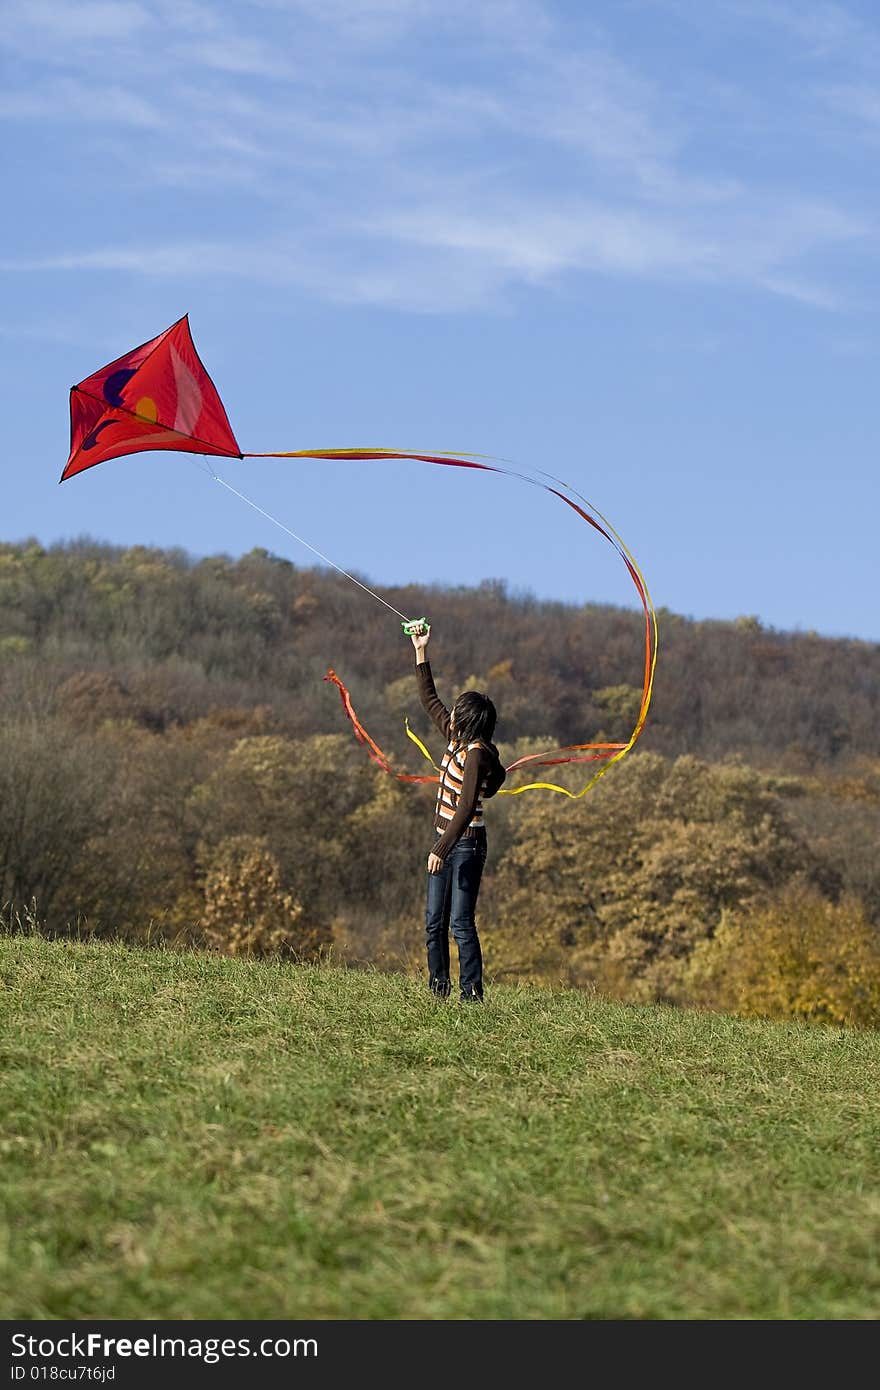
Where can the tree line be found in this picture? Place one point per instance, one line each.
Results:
(173, 766)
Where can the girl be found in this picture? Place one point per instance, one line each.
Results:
(470, 772)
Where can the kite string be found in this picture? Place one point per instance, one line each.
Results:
(610, 534)
(302, 541)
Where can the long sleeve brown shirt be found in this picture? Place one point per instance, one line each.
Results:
(483, 772)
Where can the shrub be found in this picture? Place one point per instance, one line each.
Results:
(797, 956)
(247, 909)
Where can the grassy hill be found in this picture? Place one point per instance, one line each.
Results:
(186, 1135)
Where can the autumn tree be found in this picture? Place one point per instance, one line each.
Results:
(794, 955)
(296, 796)
(247, 909)
(54, 792)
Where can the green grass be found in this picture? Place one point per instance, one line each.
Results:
(187, 1136)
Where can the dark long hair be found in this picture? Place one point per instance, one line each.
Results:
(475, 717)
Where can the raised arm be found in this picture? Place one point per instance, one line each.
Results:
(431, 702)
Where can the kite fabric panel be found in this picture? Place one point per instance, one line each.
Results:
(157, 397)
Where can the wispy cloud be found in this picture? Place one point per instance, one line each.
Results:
(857, 100)
(246, 57)
(816, 28)
(822, 27)
(330, 272)
(71, 99)
(429, 155)
(534, 245)
(447, 259)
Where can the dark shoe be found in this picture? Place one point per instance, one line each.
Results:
(441, 988)
(472, 996)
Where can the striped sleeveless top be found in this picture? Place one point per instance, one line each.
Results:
(449, 790)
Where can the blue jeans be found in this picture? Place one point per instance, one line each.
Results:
(452, 901)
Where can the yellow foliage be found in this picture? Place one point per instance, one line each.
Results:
(402, 699)
(15, 646)
(797, 956)
(620, 706)
(247, 910)
(501, 671)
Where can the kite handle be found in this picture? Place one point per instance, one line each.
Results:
(411, 624)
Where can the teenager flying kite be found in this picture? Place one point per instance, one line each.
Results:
(470, 772)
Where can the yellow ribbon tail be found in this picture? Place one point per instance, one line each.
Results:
(554, 786)
(418, 743)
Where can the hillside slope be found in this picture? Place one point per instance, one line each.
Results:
(187, 1135)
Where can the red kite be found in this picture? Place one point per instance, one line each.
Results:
(157, 397)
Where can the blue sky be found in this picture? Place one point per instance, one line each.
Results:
(635, 244)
